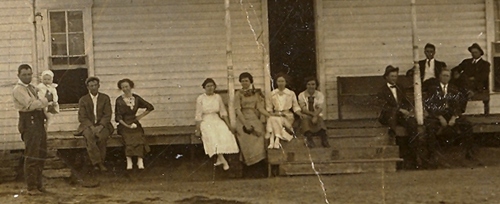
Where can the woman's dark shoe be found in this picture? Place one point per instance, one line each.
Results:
(310, 142)
(324, 141)
(102, 167)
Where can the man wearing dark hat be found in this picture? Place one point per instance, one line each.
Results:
(397, 109)
(429, 67)
(472, 78)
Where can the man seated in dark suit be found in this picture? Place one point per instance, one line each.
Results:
(429, 67)
(445, 115)
(471, 76)
(397, 109)
(94, 115)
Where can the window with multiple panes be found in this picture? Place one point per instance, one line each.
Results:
(68, 45)
(68, 59)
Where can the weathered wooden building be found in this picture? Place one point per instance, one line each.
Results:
(168, 47)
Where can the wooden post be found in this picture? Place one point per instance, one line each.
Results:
(34, 55)
(265, 43)
(417, 84)
(230, 71)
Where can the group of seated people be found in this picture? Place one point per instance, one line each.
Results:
(259, 117)
(445, 93)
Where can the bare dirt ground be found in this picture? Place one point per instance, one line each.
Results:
(184, 180)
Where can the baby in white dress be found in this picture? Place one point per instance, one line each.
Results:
(47, 85)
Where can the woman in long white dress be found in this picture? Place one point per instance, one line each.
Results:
(212, 124)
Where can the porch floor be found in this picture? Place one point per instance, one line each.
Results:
(178, 135)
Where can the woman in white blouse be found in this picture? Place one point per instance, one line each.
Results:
(212, 125)
(279, 104)
(311, 102)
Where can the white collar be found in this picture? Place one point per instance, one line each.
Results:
(442, 85)
(92, 96)
(285, 91)
(309, 94)
(22, 83)
(389, 85)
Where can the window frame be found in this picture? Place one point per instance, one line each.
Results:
(67, 33)
(44, 47)
(46, 6)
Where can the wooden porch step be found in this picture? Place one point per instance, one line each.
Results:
(342, 142)
(362, 131)
(330, 154)
(9, 164)
(340, 167)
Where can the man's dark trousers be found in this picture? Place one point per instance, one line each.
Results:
(32, 129)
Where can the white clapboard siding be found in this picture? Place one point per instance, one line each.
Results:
(16, 40)
(169, 47)
(362, 37)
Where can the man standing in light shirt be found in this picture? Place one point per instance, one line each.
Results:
(94, 115)
(32, 128)
(429, 67)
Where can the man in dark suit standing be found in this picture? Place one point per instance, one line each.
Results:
(94, 115)
(444, 108)
(397, 109)
(429, 67)
(471, 76)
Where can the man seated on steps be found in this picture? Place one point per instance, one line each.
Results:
(397, 109)
(445, 115)
(94, 115)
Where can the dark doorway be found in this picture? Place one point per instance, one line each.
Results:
(292, 40)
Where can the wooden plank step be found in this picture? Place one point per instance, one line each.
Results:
(361, 123)
(6, 171)
(54, 163)
(337, 168)
(7, 174)
(116, 141)
(57, 173)
(341, 142)
(352, 132)
(8, 155)
(10, 163)
(330, 154)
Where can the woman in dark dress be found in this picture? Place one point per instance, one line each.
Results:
(129, 128)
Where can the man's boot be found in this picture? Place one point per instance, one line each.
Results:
(324, 138)
(309, 140)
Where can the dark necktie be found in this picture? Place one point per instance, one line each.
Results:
(310, 103)
(392, 86)
(32, 90)
(428, 63)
